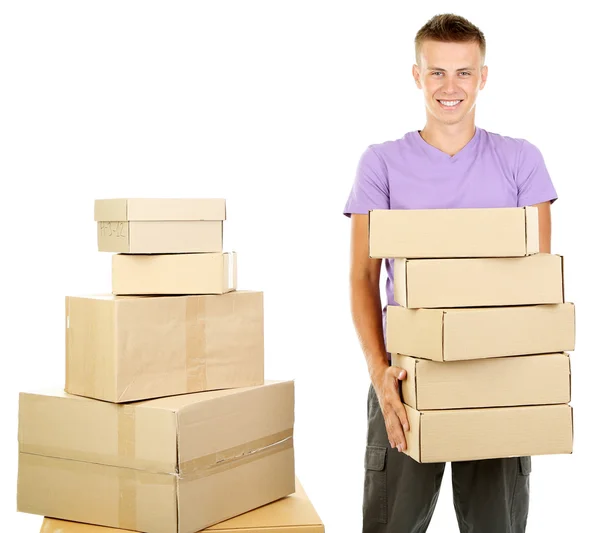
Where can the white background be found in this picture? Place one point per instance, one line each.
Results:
(270, 104)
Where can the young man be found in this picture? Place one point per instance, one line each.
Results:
(450, 163)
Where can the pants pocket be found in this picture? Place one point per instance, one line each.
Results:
(375, 494)
(525, 466)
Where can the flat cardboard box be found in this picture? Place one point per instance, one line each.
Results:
(121, 348)
(156, 225)
(488, 433)
(171, 465)
(480, 332)
(203, 273)
(467, 232)
(499, 382)
(293, 514)
(479, 282)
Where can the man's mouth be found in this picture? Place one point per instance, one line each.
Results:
(449, 104)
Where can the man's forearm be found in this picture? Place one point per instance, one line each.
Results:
(366, 314)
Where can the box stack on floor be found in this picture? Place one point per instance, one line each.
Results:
(165, 424)
(481, 328)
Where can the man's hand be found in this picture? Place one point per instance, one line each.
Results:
(386, 385)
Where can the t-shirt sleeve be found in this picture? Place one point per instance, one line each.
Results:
(370, 189)
(534, 184)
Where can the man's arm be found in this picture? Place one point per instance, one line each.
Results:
(366, 314)
(545, 226)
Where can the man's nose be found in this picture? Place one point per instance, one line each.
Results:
(449, 85)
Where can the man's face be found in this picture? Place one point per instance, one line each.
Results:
(450, 73)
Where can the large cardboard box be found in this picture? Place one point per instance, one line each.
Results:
(170, 465)
(469, 232)
(293, 514)
(154, 225)
(480, 332)
(121, 348)
(204, 273)
(479, 282)
(488, 433)
(499, 382)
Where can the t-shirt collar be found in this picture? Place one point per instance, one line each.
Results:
(438, 154)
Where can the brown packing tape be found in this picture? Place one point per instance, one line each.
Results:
(129, 480)
(126, 448)
(236, 456)
(127, 513)
(195, 343)
(126, 430)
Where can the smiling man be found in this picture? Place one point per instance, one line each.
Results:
(450, 163)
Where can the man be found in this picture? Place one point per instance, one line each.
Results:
(450, 163)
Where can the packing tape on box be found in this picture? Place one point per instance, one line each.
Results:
(126, 430)
(236, 456)
(127, 483)
(195, 344)
(130, 482)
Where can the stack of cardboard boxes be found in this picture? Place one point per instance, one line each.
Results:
(481, 328)
(166, 424)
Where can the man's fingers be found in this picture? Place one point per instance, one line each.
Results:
(400, 412)
(398, 373)
(394, 430)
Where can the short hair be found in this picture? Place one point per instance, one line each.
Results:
(449, 28)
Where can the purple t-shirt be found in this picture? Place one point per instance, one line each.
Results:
(489, 171)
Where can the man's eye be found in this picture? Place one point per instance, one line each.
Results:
(434, 73)
(467, 73)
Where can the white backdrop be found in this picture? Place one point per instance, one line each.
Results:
(270, 104)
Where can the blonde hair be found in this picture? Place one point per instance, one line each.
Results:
(449, 28)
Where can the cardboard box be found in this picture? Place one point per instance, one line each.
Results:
(468, 232)
(121, 348)
(480, 332)
(155, 226)
(471, 434)
(206, 273)
(499, 382)
(479, 282)
(171, 465)
(293, 514)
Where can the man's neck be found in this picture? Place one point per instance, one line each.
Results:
(448, 138)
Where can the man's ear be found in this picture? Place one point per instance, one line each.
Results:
(484, 75)
(416, 76)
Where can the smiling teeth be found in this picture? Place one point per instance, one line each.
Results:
(450, 102)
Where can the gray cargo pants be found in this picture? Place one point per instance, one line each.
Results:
(490, 496)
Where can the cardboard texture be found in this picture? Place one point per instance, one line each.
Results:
(480, 332)
(468, 232)
(170, 465)
(206, 273)
(499, 382)
(153, 225)
(471, 434)
(294, 513)
(479, 282)
(122, 349)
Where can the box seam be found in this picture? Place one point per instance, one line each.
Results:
(416, 381)
(443, 336)
(526, 215)
(406, 282)
(420, 437)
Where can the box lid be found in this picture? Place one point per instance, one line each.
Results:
(164, 435)
(121, 209)
(295, 512)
